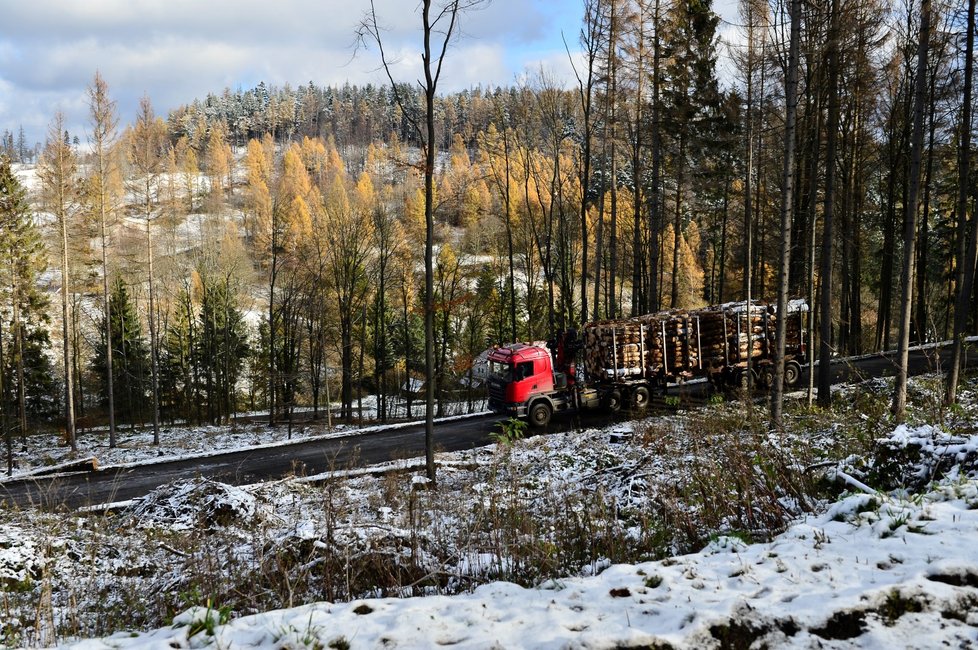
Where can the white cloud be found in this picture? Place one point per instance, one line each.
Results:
(179, 50)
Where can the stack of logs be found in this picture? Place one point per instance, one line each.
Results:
(681, 342)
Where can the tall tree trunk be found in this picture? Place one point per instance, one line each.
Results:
(599, 236)
(153, 351)
(677, 226)
(966, 274)
(612, 126)
(655, 198)
(722, 255)
(787, 204)
(4, 418)
(508, 211)
(748, 179)
(825, 274)
(103, 124)
(108, 328)
(638, 297)
(919, 320)
(910, 213)
(889, 240)
(19, 356)
(591, 36)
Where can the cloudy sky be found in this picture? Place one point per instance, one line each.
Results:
(177, 50)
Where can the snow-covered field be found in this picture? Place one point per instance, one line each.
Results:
(702, 529)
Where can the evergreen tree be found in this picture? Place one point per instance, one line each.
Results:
(131, 361)
(222, 346)
(692, 98)
(176, 358)
(26, 382)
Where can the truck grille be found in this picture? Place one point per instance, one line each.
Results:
(497, 391)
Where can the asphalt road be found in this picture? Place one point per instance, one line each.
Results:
(312, 457)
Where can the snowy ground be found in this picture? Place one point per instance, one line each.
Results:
(630, 536)
(871, 571)
(135, 445)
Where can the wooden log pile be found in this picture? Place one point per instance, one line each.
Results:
(615, 348)
(682, 342)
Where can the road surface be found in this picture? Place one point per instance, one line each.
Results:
(312, 457)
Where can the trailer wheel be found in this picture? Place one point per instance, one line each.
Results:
(792, 373)
(612, 401)
(539, 415)
(744, 379)
(640, 397)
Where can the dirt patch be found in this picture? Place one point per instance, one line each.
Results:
(963, 578)
(842, 625)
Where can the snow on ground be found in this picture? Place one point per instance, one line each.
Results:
(871, 571)
(629, 536)
(27, 175)
(134, 445)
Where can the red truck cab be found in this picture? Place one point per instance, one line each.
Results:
(517, 373)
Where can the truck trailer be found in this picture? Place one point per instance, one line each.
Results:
(614, 363)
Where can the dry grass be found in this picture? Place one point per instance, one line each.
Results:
(537, 510)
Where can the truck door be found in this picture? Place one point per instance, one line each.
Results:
(522, 381)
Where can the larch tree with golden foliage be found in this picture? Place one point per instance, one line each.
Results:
(348, 228)
(58, 170)
(147, 156)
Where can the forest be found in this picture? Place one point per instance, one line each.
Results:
(264, 249)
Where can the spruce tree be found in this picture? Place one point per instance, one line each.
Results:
(175, 376)
(23, 313)
(222, 345)
(131, 361)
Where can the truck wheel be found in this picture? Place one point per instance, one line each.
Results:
(640, 397)
(792, 373)
(767, 376)
(612, 401)
(539, 415)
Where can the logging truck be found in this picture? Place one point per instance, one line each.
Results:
(614, 363)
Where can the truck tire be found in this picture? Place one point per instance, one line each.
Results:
(612, 401)
(792, 373)
(640, 397)
(767, 376)
(539, 415)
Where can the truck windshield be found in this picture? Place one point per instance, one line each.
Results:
(500, 370)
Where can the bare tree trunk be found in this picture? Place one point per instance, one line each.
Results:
(153, 346)
(611, 134)
(19, 356)
(748, 178)
(66, 343)
(591, 35)
(967, 273)
(910, 213)
(57, 169)
(677, 225)
(825, 275)
(638, 290)
(655, 201)
(598, 242)
(787, 205)
(103, 125)
(4, 423)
